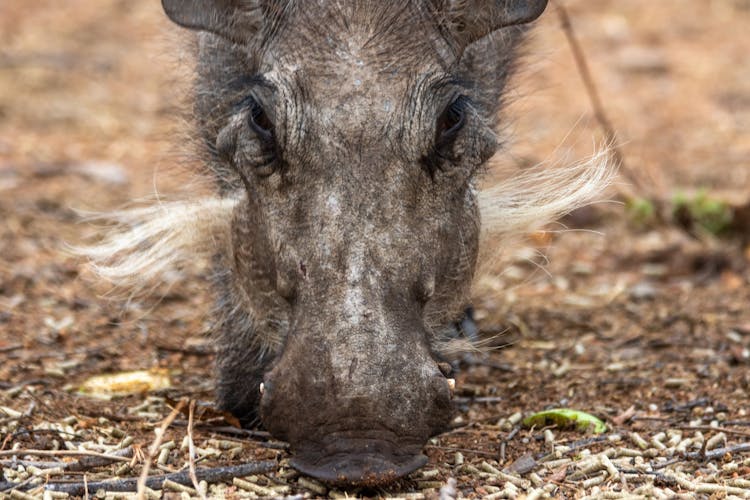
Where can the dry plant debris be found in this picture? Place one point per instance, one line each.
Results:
(646, 326)
(681, 452)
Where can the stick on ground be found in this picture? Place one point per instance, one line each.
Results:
(142, 481)
(191, 451)
(213, 475)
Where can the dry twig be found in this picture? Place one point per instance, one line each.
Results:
(713, 429)
(87, 463)
(596, 103)
(213, 475)
(191, 450)
(143, 479)
(718, 452)
(66, 453)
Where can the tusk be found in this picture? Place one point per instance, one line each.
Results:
(262, 388)
(452, 384)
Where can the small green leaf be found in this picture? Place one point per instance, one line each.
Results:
(710, 214)
(641, 211)
(566, 418)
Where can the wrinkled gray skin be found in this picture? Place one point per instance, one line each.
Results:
(355, 132)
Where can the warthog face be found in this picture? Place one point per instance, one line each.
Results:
(353, 133)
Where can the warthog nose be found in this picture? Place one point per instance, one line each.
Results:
(361, 451)
(358, 463)
(356, 402)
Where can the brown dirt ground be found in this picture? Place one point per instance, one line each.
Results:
(645, 326)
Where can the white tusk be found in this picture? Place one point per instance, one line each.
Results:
(452, 384)
(262, 388)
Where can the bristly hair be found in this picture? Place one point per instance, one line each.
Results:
(149, 242)
(538, 195)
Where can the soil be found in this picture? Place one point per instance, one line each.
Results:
(642, 323)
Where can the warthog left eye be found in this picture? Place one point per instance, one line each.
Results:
(450, 122)
(248, 141)
(262, 126)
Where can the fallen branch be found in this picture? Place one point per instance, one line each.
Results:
(738, 423)
(463, 450)
(84, 464)
(30, 463)
(226, 429)
(479, 399)
(11, 486)
(657, 476)
(10, 348)
(571, 447)
(213, 475)
(508, 439)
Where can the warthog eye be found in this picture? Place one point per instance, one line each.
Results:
(266, 158)
(259, 121)
(450, 122)
(448, 125)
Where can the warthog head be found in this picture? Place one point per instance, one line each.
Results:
(346, 139)
(355, 136)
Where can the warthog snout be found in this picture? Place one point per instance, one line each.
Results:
(357, 398)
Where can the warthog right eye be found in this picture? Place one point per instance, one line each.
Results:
(259, 121)
(261, 125)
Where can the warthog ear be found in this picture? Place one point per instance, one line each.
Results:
(471, 20)
(235, 20)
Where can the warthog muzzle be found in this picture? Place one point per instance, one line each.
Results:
(357, 395)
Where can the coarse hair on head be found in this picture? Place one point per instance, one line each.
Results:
(149, 242)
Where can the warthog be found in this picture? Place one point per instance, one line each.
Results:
(346, 140)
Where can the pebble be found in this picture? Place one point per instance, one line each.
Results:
(643, 291)
(646, 60)
(104, 172)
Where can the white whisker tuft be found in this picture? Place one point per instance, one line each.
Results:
(456, 347)
(149, 242)
(526, 202)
